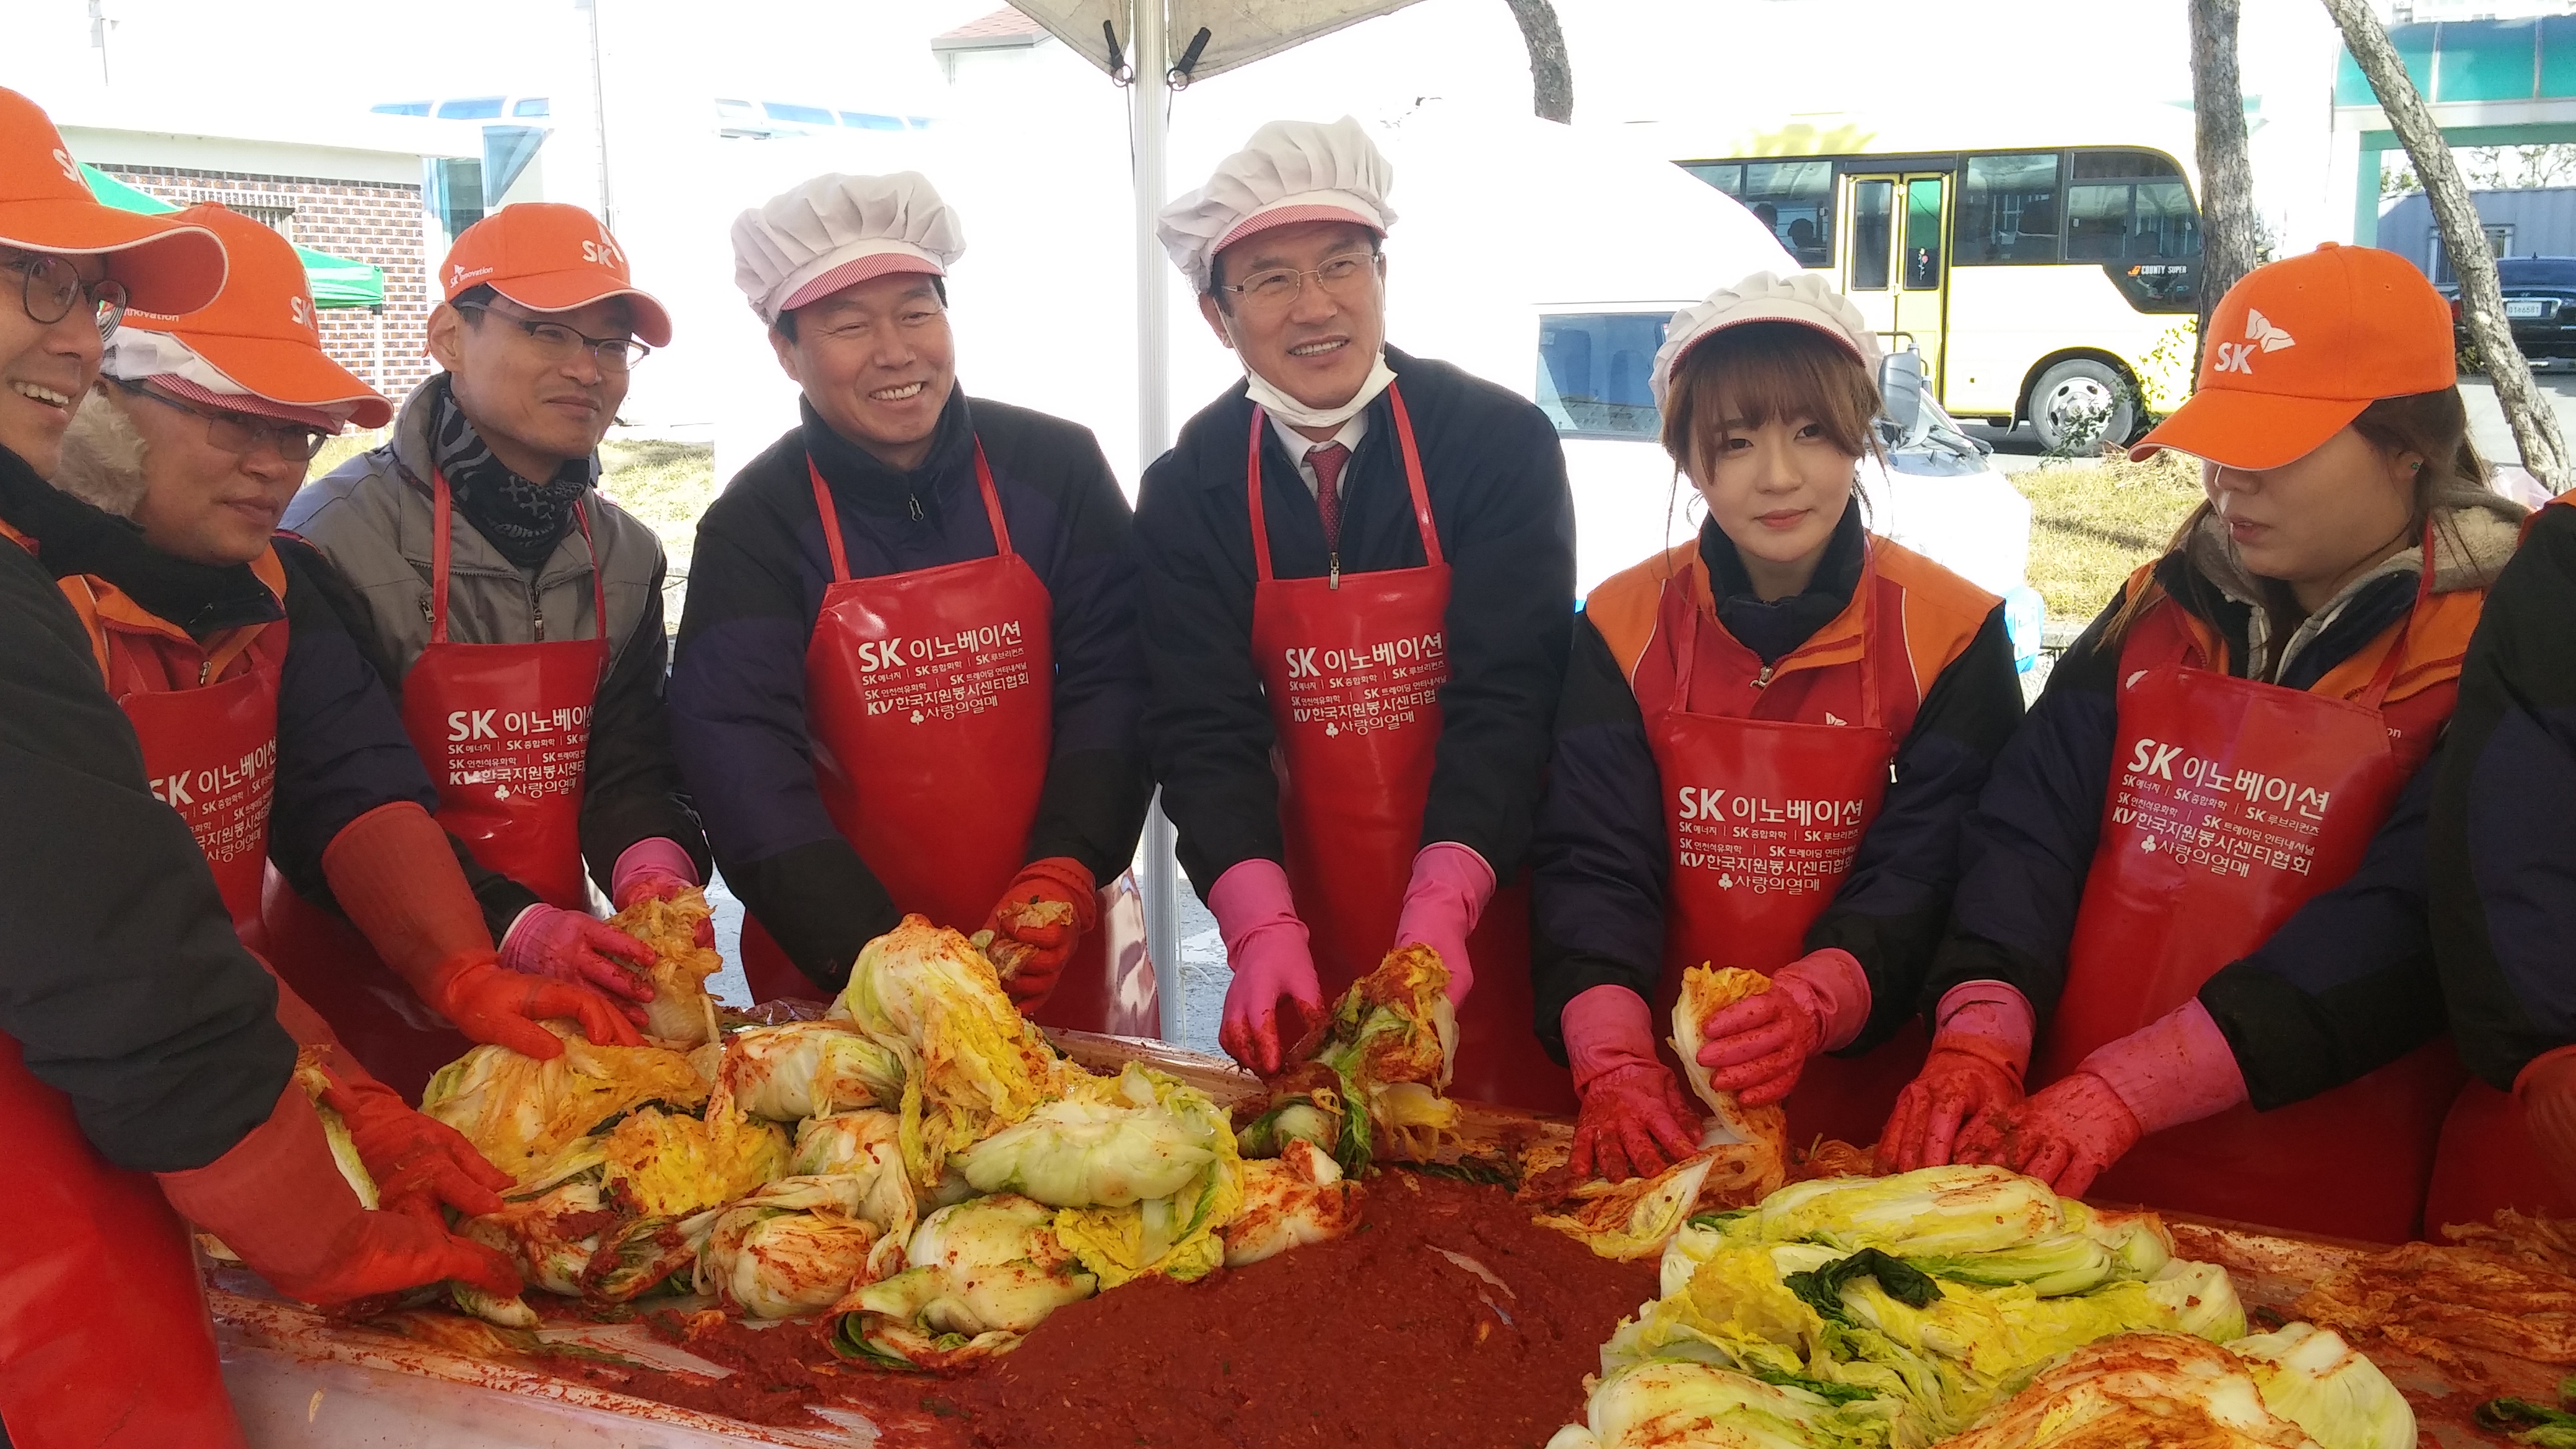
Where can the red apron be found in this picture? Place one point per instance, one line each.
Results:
(2234, 803)
(1753, 869)
(104, 1341)
(505, 732)
(2487, 1161)
(1352, 665)
(930, 700)
(211, 754)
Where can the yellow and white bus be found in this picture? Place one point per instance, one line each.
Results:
(2046, 267)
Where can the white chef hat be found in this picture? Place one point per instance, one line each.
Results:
(1292, 171)
(836, 231)
(1805, 298)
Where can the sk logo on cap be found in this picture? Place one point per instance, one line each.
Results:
(71, 168)
(2261, 334)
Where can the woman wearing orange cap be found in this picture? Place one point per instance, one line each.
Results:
(260, 720)
(1767, 740)
(137, 1036)
(2199, 871)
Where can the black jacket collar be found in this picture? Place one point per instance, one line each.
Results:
(866, 483)
(73, 537)
(1772, 630)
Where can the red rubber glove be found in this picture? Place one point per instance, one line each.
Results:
(1445, 896)
(1635, 1122)
(1265, 944)
(420, 1164)
(1974, 1069)
(657, 869)
(278, 1200)
(1044, 913)
(396, 877)
(2065, 1136)
(2178, 1068)
(491, 1003)
(1757, 1047)
(2546, 1088)
(571, 946)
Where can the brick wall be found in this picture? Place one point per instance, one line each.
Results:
(364, 221)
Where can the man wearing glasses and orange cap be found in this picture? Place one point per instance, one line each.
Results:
(517, 616)
(137, 1036)
(1359, 587)
(908, 678)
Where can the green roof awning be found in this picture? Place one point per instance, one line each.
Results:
(336, 281)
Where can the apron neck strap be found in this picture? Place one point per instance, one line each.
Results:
(2386, 676)
(1413, 483)
(442, 519)
(1863, 594)
(831, 515)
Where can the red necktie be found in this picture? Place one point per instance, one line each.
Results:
(1327, 462)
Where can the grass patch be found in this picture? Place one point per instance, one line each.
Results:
(2091, 526)
(667, 485)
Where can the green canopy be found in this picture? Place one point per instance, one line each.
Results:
(336, 281)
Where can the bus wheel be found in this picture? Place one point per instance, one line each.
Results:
(2080, 404)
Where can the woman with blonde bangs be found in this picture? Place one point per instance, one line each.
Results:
(1767, 740)
(2198, 879)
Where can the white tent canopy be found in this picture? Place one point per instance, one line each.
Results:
(1239, 32)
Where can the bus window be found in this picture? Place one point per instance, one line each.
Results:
(2008, 210)
(1872, 228)
(1593, 370)
(1797, 199)
(1923, 233)
(2167, 225)
(2097, 223)
(1793, 198)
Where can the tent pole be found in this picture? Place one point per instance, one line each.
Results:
(1150, 48)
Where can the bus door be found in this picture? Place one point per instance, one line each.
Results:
(1895, 259)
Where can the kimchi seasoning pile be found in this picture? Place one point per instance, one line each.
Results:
(1446, 1318)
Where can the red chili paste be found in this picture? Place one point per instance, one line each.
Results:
(1375, 1339)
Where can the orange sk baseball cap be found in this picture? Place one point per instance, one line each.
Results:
(549, 257)
(46, 206)
(2299, 347)
(262, 331)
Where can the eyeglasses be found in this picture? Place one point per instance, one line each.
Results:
(51, 285)
(561, 344)
(1280, 286)
(241, 434)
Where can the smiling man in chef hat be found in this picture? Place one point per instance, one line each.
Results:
(1359, 564)
(908, 676)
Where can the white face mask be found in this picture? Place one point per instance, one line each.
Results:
(1297, 415)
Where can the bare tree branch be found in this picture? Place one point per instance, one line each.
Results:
(2535, 426)
(2228, 229)
(1551, 74)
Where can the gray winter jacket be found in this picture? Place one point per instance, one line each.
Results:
(371, 518)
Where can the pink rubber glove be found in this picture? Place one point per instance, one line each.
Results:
(1265, 943)
(1448, 892)
(570, 946)
(1975, 1068)
(2175, 1069)
(1635, 1122)
(1758, 1046)
(654, 867)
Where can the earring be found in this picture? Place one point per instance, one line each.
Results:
(2415, 467)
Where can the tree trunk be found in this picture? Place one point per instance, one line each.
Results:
(2227, 226)
(1551, 75)
(2535, 426)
